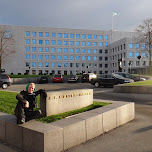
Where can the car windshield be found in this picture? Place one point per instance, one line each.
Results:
(117, 76)
(57, 76)
(73, 76)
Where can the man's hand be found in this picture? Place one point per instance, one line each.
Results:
(26, 104)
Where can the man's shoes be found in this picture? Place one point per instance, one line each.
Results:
(21, 121)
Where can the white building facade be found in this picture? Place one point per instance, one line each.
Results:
(71, 51)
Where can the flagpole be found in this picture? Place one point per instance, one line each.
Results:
(112, 21)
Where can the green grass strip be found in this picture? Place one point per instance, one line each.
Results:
(56, 117)
(147, 82)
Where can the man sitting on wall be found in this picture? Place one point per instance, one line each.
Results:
(24, 110)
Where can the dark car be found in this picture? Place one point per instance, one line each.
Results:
(86, 77)
(5, 81)
(73, 78)
(42, 79)
(109, 80)
(58, 78)
(129, 76)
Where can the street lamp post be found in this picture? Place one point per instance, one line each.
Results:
(139, 57)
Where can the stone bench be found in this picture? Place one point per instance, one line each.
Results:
(66, 133)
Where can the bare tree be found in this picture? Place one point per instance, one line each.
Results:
(144, 35)
(7, 44)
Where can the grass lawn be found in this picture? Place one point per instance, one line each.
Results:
(147, 82)
(8, 103)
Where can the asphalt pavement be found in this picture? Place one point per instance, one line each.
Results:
(135, 136)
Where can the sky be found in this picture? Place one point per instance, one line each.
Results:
(76, 14)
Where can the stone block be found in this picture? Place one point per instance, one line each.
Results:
(93, 121)
(42, 137)
(125, 114)
(74, 131)
(109, 120)
(3, 118)
(14, 133)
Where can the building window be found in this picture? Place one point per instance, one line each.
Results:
(71, 35)
(77, 65)
(130, 46)
(34, 34)
(100, 37)
(46, 49)
(143, 54)
(59, 57)
(40, 49)
(65, 42)
(27, 49)
(89, 50)
(89, 58)
(65, 35)
(65, 64)
(52, 64)
(100, 43)
(53, 42)
(59, 35)
(83, 43)
(95, 51)
(40, 57)
(27, 41)
(34, 49)
(33, 56)
(100, 58)
(71, 42)
(65, 50)
(106, 51)
(59, 42)
(53, 34)
(137, 54)
(40, 41)
(77, 36)
(53, 50)
(71, 50)
(27, 64)
(33, 41)
(143, 63)
(27, 33)
(53, 57)
(89, 43)
(77, 43)
(106, 58)
(83, 50)
(137, 46)
(46, 42)
(89, 36)
(46, 57)
(94, 43)
(100, 65)
(130, 54)
(71, 64)
(137, 63)
(46, 64)
(40, 34)
(33, 64)
(77, 58)
(65, 57)
(83, 36)
(106, 65)
(106, 37)
(46, 34)
(106, 44)
(27, 56)
(59, 50)
(77, 50)
(59, 64)
(83, 58)
(95, 36)
(95, 58)
(71, 57)
(100, 51)
(40, 64)
(143, 46)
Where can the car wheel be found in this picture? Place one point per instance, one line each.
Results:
(97, 84)
(4, 85)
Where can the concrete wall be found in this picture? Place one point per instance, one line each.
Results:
(66, 133)
(66, 100)
(133, 89)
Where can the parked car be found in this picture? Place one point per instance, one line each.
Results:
(73, 78)
(58, 78)
(129, 76)
(5, 81)
(86, 77)
(109, 80)
(42, 79)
